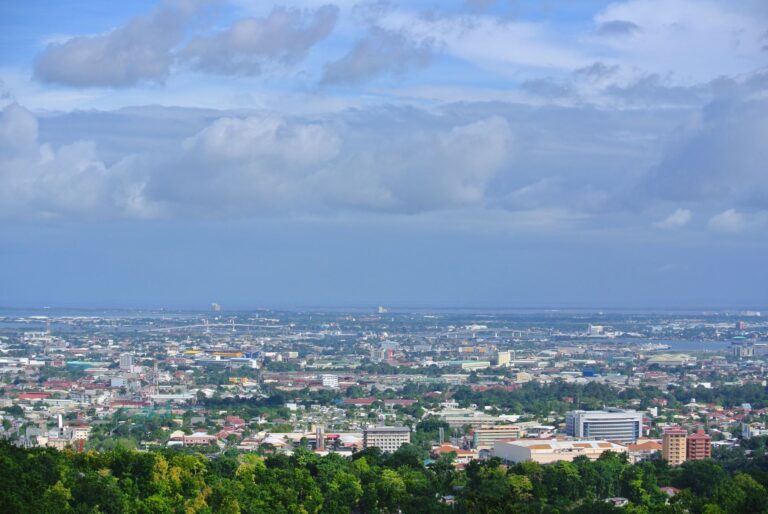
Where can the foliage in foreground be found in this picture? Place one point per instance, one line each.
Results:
(48, 481)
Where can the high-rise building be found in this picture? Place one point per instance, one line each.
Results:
(699, 446)
(126, 362)
(503, 358)
(611, 425)
(674, 445)
(388, 439)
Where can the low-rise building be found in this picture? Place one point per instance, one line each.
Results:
(486, 436)
(547, 451)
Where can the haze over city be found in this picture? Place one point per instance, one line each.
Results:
(384, 256)
(593, 154)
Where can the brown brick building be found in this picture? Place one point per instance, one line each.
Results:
(699, 446)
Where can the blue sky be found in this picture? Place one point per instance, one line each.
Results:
(457, 153)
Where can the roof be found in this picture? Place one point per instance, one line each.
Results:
(555, 445)
(644, 446)
(387, 429)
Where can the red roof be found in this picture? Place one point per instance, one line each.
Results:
(699, 435)
(359, 401)
(33, 396)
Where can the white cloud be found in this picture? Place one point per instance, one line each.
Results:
(256, 165)
(380, 52)
(734, 221)
(694, 40)
(503, 46)
(136, 52)
(250, 138)
(40, 180)
(676, 220)
(284, 36)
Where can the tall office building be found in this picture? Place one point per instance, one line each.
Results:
(503, 358)
(388, 439)
(610, 425)
(699, 446)
(674, 445)
(126, 362)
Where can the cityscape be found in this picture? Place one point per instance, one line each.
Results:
(384, 257)
(445, 387)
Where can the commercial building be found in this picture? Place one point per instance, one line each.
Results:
(611, 424)
(504, 358)
(331, 381)
(388, 439)
(699, 446)
(674, 445)
(486, 436)
(126, 362)
(672, 360)
(547, 451)
(748, 431)
(458, 418)
(471, 365)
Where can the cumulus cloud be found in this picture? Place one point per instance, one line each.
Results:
(284, 36)
(718, 158)
(39, 180)
(259, 164)
(243, 167)
(676, 220)
(140, 51)
(380, 52)
(145, 49)
(728, 221)
(486, 155)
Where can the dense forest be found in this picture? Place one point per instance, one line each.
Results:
(49, 481)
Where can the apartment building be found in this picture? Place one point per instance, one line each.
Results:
(699, 446)
(674, 446)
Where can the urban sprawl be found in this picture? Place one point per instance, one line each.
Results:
(513, 386)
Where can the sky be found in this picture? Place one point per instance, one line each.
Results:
(453, 153)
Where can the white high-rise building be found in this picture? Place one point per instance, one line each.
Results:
(126, 362)
(611, 424)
